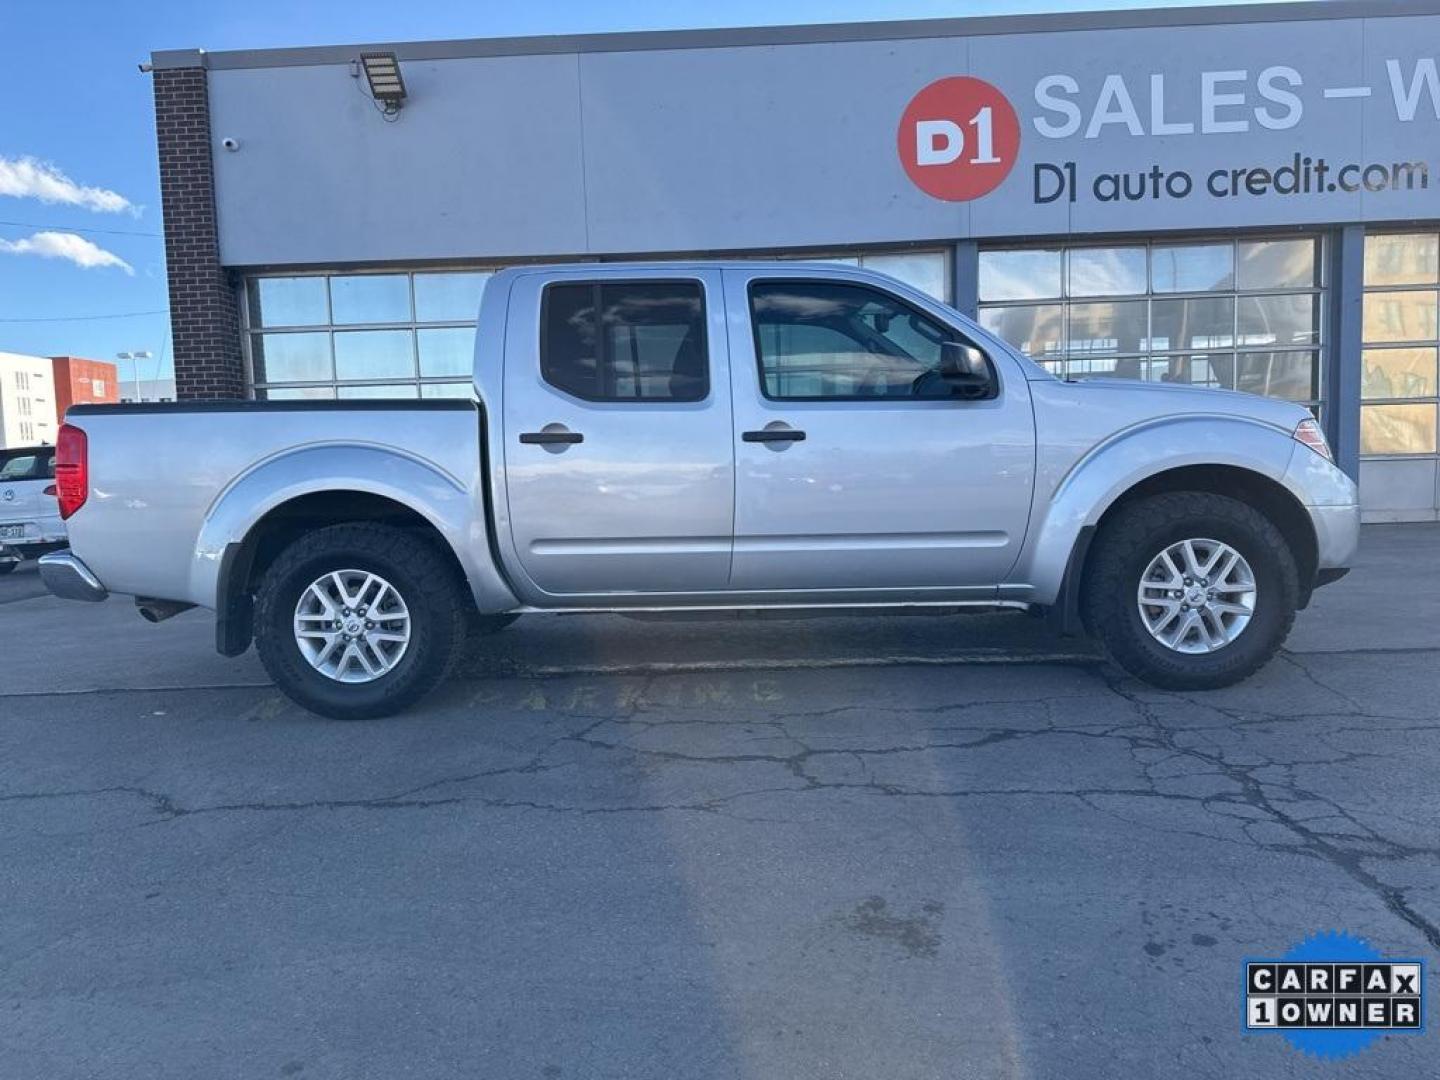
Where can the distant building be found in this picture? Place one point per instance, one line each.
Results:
(83, 382)
(147, 390)
(27, 400)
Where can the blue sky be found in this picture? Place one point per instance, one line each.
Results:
(82, 129)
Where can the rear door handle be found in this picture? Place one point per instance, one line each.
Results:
(551, 438)
(773, 435)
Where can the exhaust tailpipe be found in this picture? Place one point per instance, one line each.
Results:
(152, 610)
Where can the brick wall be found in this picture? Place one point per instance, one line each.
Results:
(204, 322)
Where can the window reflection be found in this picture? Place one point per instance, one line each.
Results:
(447, 351)
(1292, 319)
(1024, 274)
(1203, 323)
(370, 298)
(926, 271)
(1107, 328)
(447, 390)
(1036, 329)
(288, 301)
(449, 297)
(373, 354)
(1277, 264)
(291, 357)
(1402, 259)
(296, 393)
(1289, 375)
(1400, 316)
(393, 390)
(1116, 271)
(1235, 314)
(1398, 373)
(1397, 429)
(1192, 267)
(1396, 380)
(1106, 367)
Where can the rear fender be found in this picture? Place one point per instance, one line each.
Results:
(1109, 470)
(451, 505)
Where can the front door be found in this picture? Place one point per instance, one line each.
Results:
(619, 462)
(858, 465)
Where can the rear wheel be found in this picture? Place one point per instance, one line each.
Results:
(1190, 590)
(358, 621)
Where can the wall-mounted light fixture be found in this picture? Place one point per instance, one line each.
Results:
(382, 72)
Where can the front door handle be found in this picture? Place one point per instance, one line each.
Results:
(552, 435)
(773, 435)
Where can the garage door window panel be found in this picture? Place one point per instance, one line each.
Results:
(1194, 314)
(1399, 380)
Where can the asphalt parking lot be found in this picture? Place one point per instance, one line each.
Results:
(893, 848)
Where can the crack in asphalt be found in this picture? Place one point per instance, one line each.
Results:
(994, 658)
(1255, 788)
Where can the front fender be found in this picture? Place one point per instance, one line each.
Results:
(1111, 468)
(453, 506)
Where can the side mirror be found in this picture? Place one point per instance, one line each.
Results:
(964, 365)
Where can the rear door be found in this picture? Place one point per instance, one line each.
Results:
(858, 466)
(619, 459)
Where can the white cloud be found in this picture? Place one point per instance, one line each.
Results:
(64, 245)
(29, 178)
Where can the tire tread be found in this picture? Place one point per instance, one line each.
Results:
(1107, 594)
(438, 596)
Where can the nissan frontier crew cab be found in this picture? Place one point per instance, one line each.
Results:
(705, 436)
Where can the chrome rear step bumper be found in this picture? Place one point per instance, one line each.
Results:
(69, 578)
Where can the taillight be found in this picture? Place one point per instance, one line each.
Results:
(1309, 433)
(72, 469)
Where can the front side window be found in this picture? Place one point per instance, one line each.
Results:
(821, 340)
(625, 341)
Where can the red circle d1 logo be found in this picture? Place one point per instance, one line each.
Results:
(958, 138)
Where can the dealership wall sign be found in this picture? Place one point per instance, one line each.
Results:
(958, 137)
(1188, 124)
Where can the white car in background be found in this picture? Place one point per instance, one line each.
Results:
(30, 522)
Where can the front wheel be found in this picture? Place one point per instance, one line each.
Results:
(358, 621)
(1190, 590)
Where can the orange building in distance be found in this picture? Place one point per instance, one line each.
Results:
(83, 382)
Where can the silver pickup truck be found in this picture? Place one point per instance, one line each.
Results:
(706, 436)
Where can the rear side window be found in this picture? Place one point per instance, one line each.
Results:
(625, 341)
(27, 465)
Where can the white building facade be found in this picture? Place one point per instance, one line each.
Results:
(27, 400)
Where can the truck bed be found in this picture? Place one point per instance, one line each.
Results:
(159, 472)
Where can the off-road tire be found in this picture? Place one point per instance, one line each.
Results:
(1135, 535)
(432, 590)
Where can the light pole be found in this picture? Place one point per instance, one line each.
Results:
(134, 358)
